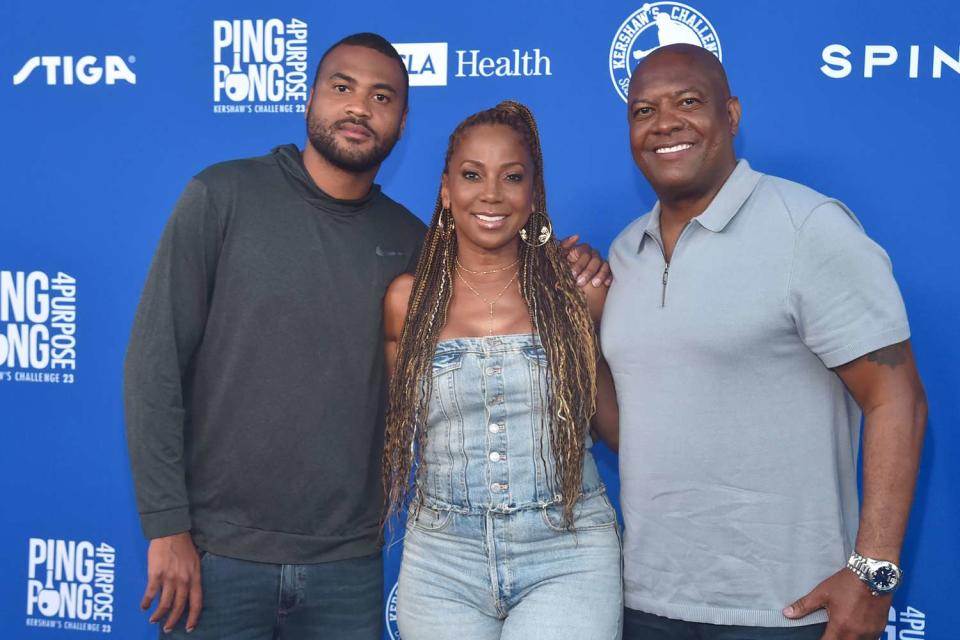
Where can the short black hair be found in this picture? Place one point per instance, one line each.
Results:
(371, 41)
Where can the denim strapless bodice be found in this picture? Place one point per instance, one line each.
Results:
(488, 438)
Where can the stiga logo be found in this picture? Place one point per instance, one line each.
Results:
(654, 25)
(70, 585)
(391, 612)
(38, 327)
(426, 62)
(260, 66)
(80, 70)
(911, 625)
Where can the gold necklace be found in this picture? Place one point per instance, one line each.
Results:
(483, 273)
(490, 303)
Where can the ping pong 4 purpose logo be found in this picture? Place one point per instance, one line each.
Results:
(70, 585)
(38, 327)
(260, 66)
(908, 624)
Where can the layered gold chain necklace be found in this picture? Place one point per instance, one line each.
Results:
(491, 303)
(483, 273)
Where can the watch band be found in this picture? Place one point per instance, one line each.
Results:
(865, 568)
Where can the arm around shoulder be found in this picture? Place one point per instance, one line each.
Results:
(395, 304)
(606, 421)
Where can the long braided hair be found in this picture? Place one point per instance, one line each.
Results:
(558, 313)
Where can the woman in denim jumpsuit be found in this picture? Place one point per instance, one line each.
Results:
(494, 546)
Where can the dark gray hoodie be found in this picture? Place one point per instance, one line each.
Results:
(254, 383)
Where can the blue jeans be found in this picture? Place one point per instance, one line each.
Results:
(638, 625)
(486, 556)
(511, 576)
(256, 601)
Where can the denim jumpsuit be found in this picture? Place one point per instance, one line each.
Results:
(485, 553)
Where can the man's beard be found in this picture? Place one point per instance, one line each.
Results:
(324, 140)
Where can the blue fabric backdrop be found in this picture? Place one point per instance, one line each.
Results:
(110, 107)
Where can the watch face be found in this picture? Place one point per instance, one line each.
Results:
(885, 578)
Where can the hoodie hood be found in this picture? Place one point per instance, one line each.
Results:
(290, 159)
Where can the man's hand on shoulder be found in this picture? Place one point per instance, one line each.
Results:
(855, 613)
(173, 573)
(586, 263)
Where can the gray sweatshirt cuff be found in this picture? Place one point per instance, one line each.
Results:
(165, 523)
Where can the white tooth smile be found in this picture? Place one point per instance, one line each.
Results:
(490, 218)
(674, 149)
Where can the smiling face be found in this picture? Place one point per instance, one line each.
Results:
(357, 108)
(488, 186)
(682, 122)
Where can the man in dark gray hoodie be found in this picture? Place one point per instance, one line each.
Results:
(254, 383)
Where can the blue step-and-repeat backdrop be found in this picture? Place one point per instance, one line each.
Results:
(109, 108)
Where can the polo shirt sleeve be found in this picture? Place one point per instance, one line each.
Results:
(843, 297)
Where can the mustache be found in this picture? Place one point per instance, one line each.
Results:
(356, 122)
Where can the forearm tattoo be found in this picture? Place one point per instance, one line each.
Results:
(892, 356)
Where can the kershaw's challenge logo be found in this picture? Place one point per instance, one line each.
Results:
(70, 585)
(38, 327)
(260, 66)
(390, 615)
(654, 25)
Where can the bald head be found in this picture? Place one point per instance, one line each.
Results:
(689, 57)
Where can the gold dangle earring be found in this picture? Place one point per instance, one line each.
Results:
(546, 231)
(447, 228)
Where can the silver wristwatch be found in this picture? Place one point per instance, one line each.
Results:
(881, 576)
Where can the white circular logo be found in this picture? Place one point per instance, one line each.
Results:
(654, 25)
(390, 614)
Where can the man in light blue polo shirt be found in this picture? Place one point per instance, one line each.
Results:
(750, 323)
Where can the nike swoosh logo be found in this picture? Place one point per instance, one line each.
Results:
(386, 253)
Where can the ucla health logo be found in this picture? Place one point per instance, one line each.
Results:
(390, 614)
(260, 66)
(38, 327)
(70, 585)
(427, 63)
(654, 25)
(71, 70)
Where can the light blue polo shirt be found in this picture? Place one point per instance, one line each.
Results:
(738, 443)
